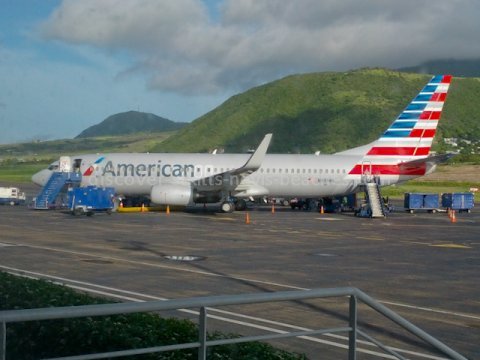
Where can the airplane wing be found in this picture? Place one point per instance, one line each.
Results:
(428, 163)
(229, 180)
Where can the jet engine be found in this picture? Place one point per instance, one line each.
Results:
(171, 194)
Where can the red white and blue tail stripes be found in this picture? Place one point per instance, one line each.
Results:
(410, 136)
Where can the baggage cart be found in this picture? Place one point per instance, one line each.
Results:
(421, 201)
(91, 199)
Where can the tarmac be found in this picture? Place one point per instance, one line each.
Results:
(422, 266)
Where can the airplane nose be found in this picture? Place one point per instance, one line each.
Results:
(40, 178)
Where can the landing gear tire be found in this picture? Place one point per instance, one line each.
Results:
(227, 207)
(240, 205)
(78, 212)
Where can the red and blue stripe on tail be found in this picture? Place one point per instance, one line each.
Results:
(410, 136)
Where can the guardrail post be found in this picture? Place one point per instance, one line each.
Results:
(202, 334)
(3, 341)
(352, 335)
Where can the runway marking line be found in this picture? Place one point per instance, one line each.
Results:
(7, 244)
(372, 238)
(451, 246)
(328, 219)
(447, 246)
(66, 281)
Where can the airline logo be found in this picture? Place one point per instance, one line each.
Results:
(93, 167)
(410, 136)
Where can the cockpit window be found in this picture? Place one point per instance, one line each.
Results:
(53, 166)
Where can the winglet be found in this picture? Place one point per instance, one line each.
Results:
(255, 161)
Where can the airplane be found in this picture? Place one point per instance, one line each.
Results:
(401, 153)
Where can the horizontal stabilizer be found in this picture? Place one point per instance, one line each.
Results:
(428, 163)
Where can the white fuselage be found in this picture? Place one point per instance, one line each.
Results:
(280, 175)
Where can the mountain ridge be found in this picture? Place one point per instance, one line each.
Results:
(130, 122)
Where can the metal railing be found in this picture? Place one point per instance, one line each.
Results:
(354, 294)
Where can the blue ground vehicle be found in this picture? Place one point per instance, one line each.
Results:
(91, 199)
(458, 201)
(421, 201)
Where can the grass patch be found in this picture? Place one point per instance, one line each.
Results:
(55, 338)
(20, 172)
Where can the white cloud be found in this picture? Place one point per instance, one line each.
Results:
(41, 98)
(178, 47)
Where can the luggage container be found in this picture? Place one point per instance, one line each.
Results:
(458, 201)
(421, 201)
(90, 199)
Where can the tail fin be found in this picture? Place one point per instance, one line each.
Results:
(411, 135)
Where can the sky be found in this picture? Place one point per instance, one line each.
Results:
(68, 64)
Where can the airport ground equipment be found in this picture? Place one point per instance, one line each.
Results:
(11, 196)
(90, 199)
(352, 296)
(68, 175)
(58, 180)
(458, 201)
(374, 200)
(421, 201)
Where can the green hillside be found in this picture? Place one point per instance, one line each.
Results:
(45, 151)
(323, 111)
(130, 122)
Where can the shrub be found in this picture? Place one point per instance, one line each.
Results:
(55, 338)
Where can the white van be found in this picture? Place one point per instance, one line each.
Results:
(11, 196)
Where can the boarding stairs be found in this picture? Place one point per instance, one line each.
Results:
(46, 198)
(374, 199)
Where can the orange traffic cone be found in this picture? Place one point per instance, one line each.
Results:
(168, 210)
(453, 218)
(247, 218)
(273, 208)
(121, 204)
(322, 210)
(143, 208)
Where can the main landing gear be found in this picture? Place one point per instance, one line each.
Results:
(227, 207)
(233, 204)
